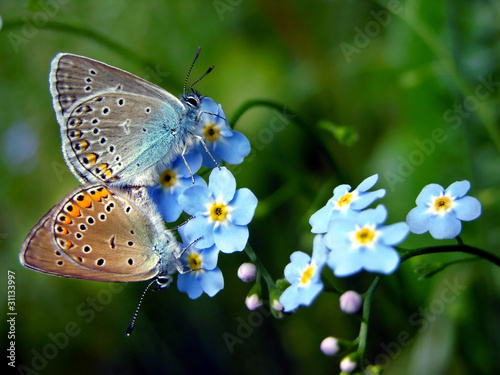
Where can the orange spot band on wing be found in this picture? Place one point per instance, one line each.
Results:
(84, 145)
(73, 210)
(103, 192)
(99, 193)
(61, 229)
(66, 245)
(108, 172)
(84, 200)
(91, 158)
(64, 219)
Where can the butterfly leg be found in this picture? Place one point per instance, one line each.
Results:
(163, 282)
(185, 270)
(180, 225)
(202, 141)
(178, 256)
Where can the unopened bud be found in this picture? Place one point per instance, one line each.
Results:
(329, 346)
(247, 272)
(350, 302)
(347, 365)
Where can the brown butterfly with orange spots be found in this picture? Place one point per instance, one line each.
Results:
(104, 234)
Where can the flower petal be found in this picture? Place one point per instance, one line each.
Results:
(429, 191)
(193, 159)
(364, 200)
(319, 220)
(209, 256)
(467, 208)
(168, 206)
(319, 253)
(187, 283)
(222, 184)
(233, 149)
(212, 281)
(340, 191)
(199, 227)
(368, 183)
(372, 216)
(338, 233)
(243, 207)
(444, 227)
(418, 219)
(459, 188)
(383, 260)
(395, 233)
(195, 199)
(230, 237)
(288, 298)
(208, 105)
(349, 266)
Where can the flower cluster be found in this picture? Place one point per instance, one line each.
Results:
(219, 213)
(352, 237)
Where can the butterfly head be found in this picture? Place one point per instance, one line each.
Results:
(191, 100)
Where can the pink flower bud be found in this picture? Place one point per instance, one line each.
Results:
(247, 272)
(253, 302)
(329, 346)
(350, 302)
(347, 365)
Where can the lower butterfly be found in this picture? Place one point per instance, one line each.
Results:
(103, 234)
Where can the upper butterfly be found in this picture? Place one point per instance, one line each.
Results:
(117, 128)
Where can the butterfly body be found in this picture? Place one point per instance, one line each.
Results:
(104, 234)
(117, 128)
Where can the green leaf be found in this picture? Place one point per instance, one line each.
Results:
(345, 135)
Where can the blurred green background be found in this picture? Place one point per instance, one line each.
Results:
(405, 89)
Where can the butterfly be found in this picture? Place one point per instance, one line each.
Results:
(103, 233)
(116, 128)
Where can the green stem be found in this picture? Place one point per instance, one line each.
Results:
(86, 33)
(308, 129)
(363, 331)
(407, 254)
(255, 259)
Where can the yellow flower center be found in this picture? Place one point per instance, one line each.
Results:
(194, 261)
(364, 236)
(210, 132)
(307, 274)
(345, 199)
(441, 205)
(167, 178)
(218, 211)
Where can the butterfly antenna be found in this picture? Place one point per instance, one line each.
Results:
(132, 323)
(199, 79)
(189, 72)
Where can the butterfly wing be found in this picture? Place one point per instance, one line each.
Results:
(95, 233)
(115, 127)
